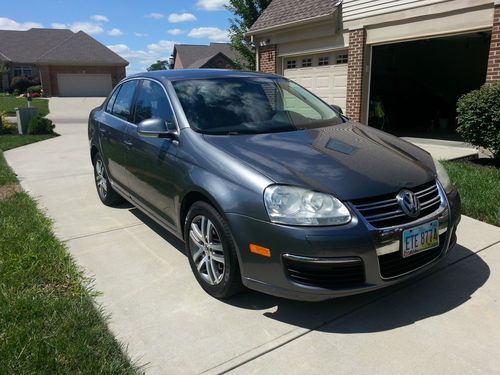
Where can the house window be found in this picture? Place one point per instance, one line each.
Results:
(325, 60)
(306, 63)
(23, 71)
(342, 59)
(291, 64)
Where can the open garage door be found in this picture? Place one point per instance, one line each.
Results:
(415, 85)
(84, 84)
(328, 82)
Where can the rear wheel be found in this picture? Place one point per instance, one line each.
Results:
(105, 191)
(211, 251)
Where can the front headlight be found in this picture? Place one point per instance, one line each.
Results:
(296, 206)
(443, 177)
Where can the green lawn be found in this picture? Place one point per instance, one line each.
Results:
(479, 188)
(8, 141)
(9, 103)
(49, 322)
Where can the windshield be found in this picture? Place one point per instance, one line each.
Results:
(251, 106)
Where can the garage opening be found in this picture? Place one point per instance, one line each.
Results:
(415, 85)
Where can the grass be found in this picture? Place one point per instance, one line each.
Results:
(479, 188)
(12, 141)
(49, 322)
(9, 103)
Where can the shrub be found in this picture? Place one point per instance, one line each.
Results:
(6, 126)
(34, 89)
(479, 118)
(20, 84)
(40, 125)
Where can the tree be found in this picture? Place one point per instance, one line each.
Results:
(246, 13)
(158, 65)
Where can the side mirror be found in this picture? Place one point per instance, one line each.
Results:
(157, 128)
(337, 108)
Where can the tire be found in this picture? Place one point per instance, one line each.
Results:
(211, 251)
(105, 191)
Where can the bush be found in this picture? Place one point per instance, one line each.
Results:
(40, 125)
(20, 84)
(479, 118)
(6, 126)
(34, 89)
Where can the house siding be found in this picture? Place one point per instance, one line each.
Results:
(355, 9)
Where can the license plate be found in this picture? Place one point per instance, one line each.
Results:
(421, 238)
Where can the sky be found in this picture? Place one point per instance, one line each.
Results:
(141, 31)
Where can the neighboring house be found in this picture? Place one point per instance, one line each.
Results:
(396, 64)
(66, 63)
(192, 56)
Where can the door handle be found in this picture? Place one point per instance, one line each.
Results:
(128, 144)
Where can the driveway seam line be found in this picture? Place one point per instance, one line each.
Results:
(105, 231)
(410, 283)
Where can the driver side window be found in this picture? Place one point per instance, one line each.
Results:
(152, 102)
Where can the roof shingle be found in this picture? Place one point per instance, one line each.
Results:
(192, 55)
(55, 46)
(27, 46)
(81, 48)
(281, 12)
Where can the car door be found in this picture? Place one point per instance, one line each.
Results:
(113, 131)
(150, 161)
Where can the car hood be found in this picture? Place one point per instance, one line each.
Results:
(350, 160)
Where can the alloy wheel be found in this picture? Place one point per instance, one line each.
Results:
(100, 177)
(207, 250)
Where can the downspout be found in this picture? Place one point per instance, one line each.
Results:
(257, 59)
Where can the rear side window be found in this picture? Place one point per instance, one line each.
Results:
(123, 104)
(152, 102)
(111, 101)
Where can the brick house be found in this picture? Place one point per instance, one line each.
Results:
(194, 56)
(65, 63)
(412, 59)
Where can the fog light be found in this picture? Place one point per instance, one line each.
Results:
(256, 249)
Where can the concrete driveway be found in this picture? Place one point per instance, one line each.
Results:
(445, 322)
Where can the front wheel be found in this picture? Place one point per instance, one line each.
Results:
(211, 251)
(105, 191)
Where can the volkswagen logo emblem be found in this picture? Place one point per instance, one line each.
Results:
(409, 203)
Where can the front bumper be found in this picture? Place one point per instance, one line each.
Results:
(355, 249)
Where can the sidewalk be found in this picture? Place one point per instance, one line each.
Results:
(445, 150)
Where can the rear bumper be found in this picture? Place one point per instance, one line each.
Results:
(343, 249)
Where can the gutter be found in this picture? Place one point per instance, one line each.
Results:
(4, 57)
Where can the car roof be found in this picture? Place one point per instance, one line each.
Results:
(184, 74)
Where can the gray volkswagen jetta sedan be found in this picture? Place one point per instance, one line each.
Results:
(270, 187)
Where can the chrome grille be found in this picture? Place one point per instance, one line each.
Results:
(384, 211)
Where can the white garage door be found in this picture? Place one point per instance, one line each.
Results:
(84, 84)
(328, 82)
